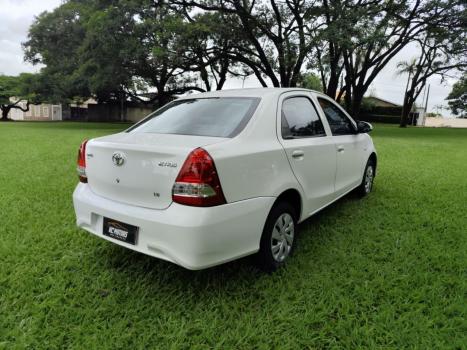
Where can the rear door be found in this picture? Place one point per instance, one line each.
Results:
(349, 146)
(310, 149)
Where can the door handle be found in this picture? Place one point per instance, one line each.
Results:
(340, 148)
(298, 153)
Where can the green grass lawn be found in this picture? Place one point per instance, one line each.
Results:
(388, 271)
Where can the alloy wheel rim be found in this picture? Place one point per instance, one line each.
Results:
(368, 179)
(282, 237)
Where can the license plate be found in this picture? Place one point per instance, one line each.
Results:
(120, 231)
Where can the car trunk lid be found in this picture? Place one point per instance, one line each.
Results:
(139, 168)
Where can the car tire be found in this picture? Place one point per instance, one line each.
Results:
(279, 237)
(368, 177)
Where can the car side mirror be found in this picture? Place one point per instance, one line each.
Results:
(363, 127)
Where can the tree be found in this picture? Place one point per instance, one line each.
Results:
(356, 39)
(278, 35)
(378, 30)
(54, 40)
(208, 45)
(406, 67)
(152, 48)
(15, 89)
(328, 48)
(111, 49)
(310, 80)
(457, 98)
(348, 41)
(443, 48)
(114, 49)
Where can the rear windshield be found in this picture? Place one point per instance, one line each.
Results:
(218, 117)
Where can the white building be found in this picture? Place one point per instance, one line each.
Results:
(420, 111)
(45, 112)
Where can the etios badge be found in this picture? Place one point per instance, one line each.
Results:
(118, 158)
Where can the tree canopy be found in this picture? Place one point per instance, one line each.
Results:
(15, 89)
(116, 49)
(310, 80)
(442, 49)
(457, 98)
(54, 40)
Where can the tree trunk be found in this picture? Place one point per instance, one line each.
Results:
(122, 105)
(5, 111)
(223, 73)
(222, 80)
(258, 76)
(404, 118)
(221, 83)
(348, 93)
(357, 98)
(163, 99)
(333, 84)
(405, 112)
(205, 78)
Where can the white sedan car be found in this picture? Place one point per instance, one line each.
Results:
(216, 176)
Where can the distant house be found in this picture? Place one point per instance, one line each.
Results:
(375, 109)
(42, 112)
(113, 111)
(385, 111)
(379, 102)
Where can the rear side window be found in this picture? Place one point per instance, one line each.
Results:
(300, 118)
(339, 123)
(218, 117)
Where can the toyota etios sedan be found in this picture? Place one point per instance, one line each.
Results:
(217, 176)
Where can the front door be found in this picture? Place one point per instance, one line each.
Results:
(349, 146)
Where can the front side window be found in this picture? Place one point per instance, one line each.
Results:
(300, 118)
(339, 123)
(217, 117)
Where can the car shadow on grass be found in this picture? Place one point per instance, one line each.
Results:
(240, 273)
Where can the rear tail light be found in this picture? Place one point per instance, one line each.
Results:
(198, 183)
(81, 168)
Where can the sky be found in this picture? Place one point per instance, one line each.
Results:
(17, 15)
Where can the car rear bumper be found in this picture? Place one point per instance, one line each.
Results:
(192, 237)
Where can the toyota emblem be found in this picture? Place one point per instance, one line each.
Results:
(118, 158)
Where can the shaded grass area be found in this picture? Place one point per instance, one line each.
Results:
(388, 271)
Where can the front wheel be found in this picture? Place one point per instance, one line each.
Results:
(368, 178)
(279, 237)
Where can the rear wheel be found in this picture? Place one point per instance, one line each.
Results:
(279, 237)
(368, 177)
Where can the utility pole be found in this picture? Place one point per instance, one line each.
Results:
(427, 91)
(427, 95)
(424, 94)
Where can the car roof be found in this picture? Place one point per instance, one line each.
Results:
(250, 92)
